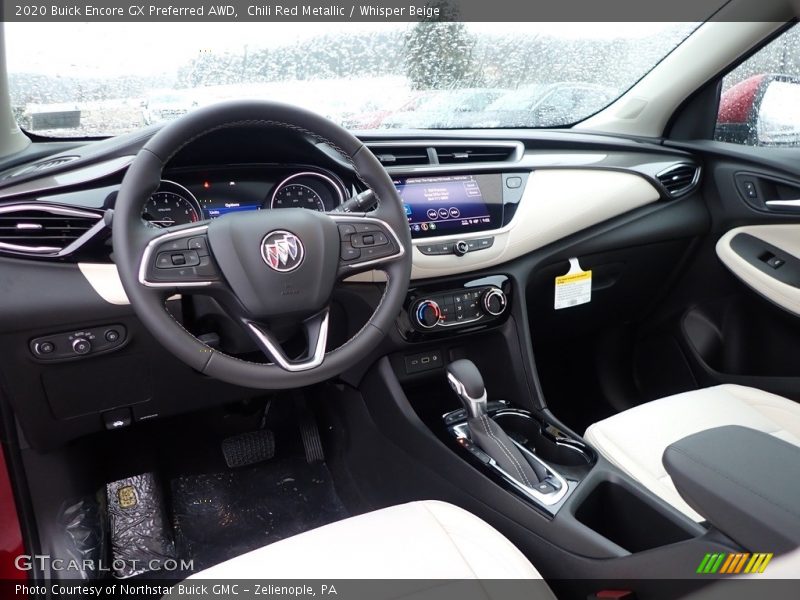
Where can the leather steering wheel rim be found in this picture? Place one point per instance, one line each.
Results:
(131, 236)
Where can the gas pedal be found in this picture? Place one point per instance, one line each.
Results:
(309, 432)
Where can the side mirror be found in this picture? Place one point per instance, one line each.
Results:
(778, 117)
(763, 110)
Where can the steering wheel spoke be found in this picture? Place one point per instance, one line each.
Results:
(179, 258)
(316, 332)
(367, 242)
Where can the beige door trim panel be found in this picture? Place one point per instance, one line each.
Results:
(785, 237)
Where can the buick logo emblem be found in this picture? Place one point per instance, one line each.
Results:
(282, 251)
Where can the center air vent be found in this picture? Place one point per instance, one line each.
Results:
(43, 230)
(432, 153)
(401, 155)
(679, 179)
(469, 154)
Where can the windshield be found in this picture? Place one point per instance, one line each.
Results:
(97, 79)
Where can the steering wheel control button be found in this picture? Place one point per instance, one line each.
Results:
(363, 242)
(117, 418)
(174, 245)
(350, 253)
(346, 230)
(199, 244)
(78, 344)
(164, 261)
(178, 260)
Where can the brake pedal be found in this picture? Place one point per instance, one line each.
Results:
(309, 432)
(248, 448)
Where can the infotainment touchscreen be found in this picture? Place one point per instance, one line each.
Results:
(452, 204)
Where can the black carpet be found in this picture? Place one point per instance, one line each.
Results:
(222, 515)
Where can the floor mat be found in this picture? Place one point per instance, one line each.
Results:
(222, 515)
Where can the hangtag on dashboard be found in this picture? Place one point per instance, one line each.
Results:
(574, 288)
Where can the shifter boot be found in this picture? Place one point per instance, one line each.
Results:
(490, 437)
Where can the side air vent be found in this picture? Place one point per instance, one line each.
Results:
(679, 179)
(469, 154)
(50, 163)
(44, 230)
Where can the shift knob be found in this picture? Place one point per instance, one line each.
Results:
(466, 381)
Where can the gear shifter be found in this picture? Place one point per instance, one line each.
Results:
(466, 381)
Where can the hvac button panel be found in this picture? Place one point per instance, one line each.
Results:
(74, 344)
(458, 308)
(459, 247)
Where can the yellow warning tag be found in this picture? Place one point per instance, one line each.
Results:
(574, 288)
(126, 496)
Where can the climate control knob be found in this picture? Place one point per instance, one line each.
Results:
(494, 302)
(427, 314)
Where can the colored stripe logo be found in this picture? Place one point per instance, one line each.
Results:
(734, 563)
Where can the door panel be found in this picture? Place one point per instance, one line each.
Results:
(734, 317)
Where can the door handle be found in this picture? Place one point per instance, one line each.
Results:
(783, 203)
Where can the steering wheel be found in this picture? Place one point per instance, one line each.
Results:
(266, 268)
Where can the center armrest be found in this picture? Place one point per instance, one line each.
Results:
(745, 482)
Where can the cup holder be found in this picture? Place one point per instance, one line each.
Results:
(556, 449)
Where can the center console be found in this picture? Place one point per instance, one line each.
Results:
(558, 492)
(565, 460)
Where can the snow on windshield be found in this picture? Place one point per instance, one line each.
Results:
(96, 79)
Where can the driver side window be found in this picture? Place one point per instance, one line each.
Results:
(760, 100)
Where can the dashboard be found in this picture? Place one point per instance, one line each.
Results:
(473, 207)
(470, 204)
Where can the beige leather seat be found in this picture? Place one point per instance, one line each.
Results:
(634, 440)
(420, 540)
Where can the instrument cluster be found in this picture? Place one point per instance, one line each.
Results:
(191, 196)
